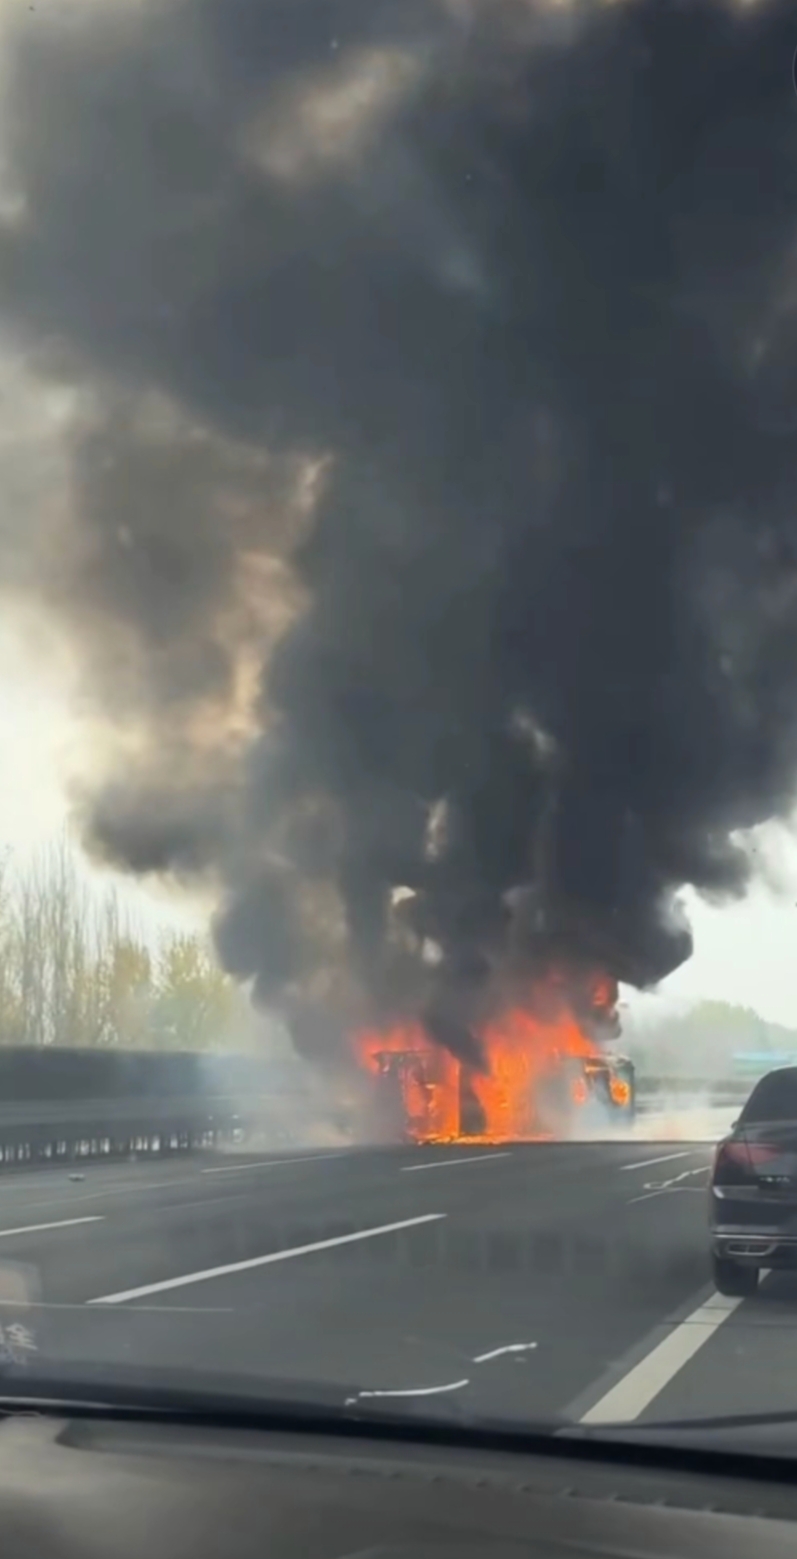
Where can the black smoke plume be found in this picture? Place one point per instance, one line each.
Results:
(441, 356)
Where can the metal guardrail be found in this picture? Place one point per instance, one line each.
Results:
(48, 1132)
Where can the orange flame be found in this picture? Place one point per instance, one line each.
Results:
(604, 992)
(526, 1054)
(523, 1053)
(425, 1076)
(579, 1090)
(620, 1091)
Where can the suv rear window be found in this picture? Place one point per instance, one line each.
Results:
(774, 1098)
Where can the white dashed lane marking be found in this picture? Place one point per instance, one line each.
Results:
(448, 1163)
(647, 1163)
(260, 1261)
(39, 1228)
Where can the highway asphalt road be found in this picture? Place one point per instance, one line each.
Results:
(530, 1281)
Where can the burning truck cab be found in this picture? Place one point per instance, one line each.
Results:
(589, 1091)
(568, 1095)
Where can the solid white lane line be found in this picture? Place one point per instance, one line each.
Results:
(631, 1395)
(36, 1228)
(646, 1163)
(261, 1261)
(271, 1163)
(445, 1163)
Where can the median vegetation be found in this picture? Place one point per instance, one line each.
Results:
(711, 1040)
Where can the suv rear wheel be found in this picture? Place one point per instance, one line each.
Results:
(731, 1278)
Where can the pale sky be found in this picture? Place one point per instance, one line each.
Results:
(745, 952)
(40, 747)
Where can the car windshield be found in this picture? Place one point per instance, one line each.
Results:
(398, 704)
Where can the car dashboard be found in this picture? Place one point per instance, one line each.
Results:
(93, 1486)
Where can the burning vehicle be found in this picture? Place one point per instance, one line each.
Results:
(426, 1097)
(535, 1072)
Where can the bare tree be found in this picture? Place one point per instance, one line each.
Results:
(76, 970)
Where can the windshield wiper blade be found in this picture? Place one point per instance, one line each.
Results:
(285, 1406)
(124, 1392)
(719, 1421)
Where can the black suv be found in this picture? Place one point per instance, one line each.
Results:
(753, 1187)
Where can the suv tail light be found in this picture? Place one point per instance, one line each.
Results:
(739, 1162)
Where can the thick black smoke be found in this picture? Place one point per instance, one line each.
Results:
(486, 313)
